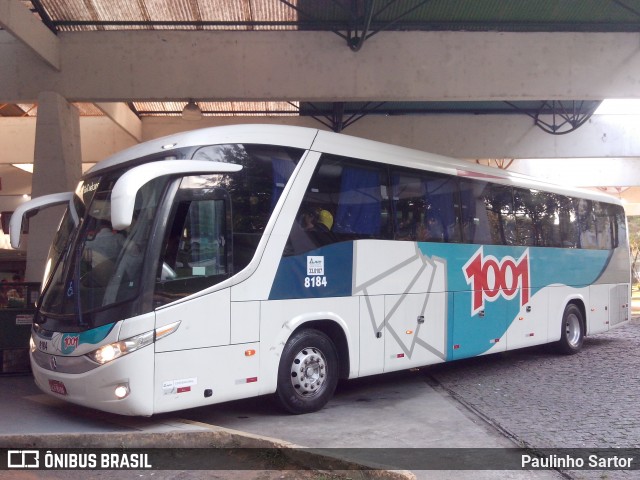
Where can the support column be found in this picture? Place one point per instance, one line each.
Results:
(57, 167)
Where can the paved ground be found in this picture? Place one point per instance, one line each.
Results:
(544, 400)
(529, 397)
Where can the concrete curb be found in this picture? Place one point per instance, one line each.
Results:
(209, 436)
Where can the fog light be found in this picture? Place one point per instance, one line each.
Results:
(121, 391)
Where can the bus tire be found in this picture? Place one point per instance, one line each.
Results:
(572, 331)
(308, 372)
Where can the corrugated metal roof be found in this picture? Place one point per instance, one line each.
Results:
(503, 15)
(351, 19)
(219, 109)
(75, 15)
(143, 109)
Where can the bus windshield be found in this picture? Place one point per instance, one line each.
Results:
(104, 272)
(103, 266)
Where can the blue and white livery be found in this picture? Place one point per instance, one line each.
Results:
(238, 261)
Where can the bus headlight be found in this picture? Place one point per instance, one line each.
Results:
(110, 352)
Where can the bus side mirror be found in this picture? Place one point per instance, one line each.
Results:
(24, 211)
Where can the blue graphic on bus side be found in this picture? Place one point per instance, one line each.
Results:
(470, 334)
(321, 273)
(486, 287)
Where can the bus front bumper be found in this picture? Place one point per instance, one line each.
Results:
(123, 386)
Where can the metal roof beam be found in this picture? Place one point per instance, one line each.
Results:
(124, 117)
(44, 16)
(24, 26)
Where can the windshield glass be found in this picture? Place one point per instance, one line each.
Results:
(193, 231)
(64, 234)
(104, 265)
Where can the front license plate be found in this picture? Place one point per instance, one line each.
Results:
(57, 387)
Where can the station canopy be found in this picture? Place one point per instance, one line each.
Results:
(356, 21)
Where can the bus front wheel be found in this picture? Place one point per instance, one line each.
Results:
(308, 372)
(572, 333)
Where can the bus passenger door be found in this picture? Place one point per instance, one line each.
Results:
(477, 333)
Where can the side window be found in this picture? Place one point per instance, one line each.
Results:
(409, 205)
(569, 230)
(588, 237)
(537, 218)
(196, 252)
(476, 227)
(498, 202)
(604, 225)
(442, 214)
(254, 191)
(346, 200)
(550, 221)
(620, 225)
(202, 249)
(361, 211)
(425, 207)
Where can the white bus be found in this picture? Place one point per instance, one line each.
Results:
(238, 261)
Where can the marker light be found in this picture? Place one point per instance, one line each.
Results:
(162, 332)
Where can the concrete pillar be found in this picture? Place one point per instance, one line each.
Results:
(57, 167)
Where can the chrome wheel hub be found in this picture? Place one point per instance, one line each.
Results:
(573, 330)
(308, 372)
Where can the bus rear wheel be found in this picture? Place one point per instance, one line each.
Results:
(308, 372)
(572, 332)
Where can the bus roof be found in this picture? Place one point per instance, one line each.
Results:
(340, 144)
(298, 137)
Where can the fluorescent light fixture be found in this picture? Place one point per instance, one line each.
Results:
(619, 106)
(27, 167)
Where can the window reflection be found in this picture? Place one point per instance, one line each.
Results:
(432, 207)
(217, 221)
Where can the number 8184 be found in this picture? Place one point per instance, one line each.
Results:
(315, 282)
